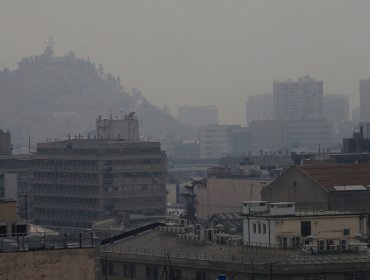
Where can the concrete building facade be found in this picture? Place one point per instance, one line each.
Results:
(298, 100)
(76, 182)
(215, 141)
(259, 107)
(223, 195)
(5, 144)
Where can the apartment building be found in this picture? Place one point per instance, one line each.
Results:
(298, 100)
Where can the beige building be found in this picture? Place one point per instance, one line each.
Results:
(280, 225)
(223, 195)
(9, 223)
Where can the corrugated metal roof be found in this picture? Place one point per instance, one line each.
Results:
(331, 175)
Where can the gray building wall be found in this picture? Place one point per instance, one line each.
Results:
(296, 187)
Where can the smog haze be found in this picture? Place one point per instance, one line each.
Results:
(210, 52)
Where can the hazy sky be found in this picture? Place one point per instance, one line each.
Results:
(198, 52)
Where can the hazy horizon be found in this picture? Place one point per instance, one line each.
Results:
(191, 52)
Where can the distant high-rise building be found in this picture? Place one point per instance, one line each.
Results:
(215, 141)
(293, 135)
(356, 114)
(298, 100)
(365, 100)
(5, 145)
(259, 107)
(198, 116)
(336, 109)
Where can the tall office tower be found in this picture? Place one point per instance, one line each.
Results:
(259, 108)
(365, 100)
(78, 182)
(336, 109)
(298, 100)
(198, 116)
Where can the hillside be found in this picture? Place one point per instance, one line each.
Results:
(51, 97)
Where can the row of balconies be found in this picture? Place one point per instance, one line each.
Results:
(64, 205)
(73, 193)
(70, 167)
(39, 180)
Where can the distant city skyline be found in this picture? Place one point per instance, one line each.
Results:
(209, 52)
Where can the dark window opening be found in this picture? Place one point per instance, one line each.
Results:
(305, 228)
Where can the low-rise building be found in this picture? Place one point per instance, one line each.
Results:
(176, 251)
(280, 225)
(10, 225)
(343, 187)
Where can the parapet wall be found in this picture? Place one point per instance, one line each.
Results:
(48, 264)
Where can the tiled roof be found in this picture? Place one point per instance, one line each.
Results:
(332, 175)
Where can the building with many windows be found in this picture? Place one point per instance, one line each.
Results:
(215, 141)
(298, 100)
(78, 182)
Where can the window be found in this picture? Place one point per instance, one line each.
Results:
(151, 273)
(129, 270)
(259, 228)
(178, 274)
(254, 228)
(346, 231)
(200, 275)
(264, 228)
(305, 228)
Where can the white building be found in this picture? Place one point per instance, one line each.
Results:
(298, 100)
(259, 107)
(279, 225)
(215, 140)
(198, 116)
